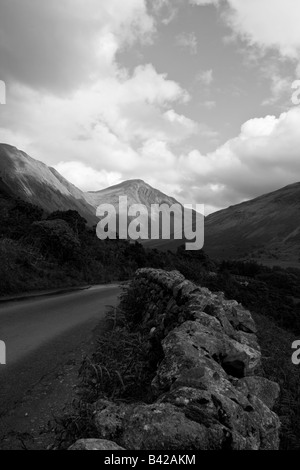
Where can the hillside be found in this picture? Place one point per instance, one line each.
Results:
(34, 182)
(137, 192)
(266, 229)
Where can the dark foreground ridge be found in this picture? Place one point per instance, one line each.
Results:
(209, 392)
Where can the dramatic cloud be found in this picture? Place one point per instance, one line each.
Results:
(264, 157)
(71, 104)
(61, 44)
(98, 90)
(112, 125)
(266, 23)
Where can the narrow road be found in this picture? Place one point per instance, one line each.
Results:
(40, 335)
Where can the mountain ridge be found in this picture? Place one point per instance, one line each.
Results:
(35, 182)
(136, 190)
(266, 228)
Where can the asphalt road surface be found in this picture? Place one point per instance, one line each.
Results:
(40, 333)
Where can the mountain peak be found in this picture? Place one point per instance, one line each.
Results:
(136, 190)
(123, 184)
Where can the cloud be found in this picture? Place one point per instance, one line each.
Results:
(62, 44)
(265, 26)
(166, 10)
(205, 2)
(106, 125)
(188, 41)
(93, 141)
(69, 102)
(86, 178)
(264, 157)
(119, 130)
(280, 88)
(268, 24)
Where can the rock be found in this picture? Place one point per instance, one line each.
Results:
(267, 422)
(208, 321)
(192, 344)
(246, 421)
(109, 420)
(267, 391)
(206, 392)
(95, 444)
(163, 427)
(245, 320)
(248, 338)
(215, 309)
(240, 359)
(182, 291)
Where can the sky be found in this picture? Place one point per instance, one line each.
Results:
(192, 96)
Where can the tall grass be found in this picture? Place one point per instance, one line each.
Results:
(120, 370)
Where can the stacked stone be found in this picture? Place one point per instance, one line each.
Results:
(209, 392)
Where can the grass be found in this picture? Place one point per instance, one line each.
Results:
(276, 346)
(121, 370)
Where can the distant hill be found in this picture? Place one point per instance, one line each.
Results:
(139, 192)
(33, 181)
(266, 228)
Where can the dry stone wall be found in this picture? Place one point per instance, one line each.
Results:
(209, 390)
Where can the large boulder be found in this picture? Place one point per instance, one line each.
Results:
(193, 345)
(189, 418)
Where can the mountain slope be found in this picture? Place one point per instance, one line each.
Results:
(139, 192)
(265, 228)
(35, 182)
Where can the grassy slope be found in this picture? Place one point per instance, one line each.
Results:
(277, 352)
(266, 227)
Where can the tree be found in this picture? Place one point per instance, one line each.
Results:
(73, 219)
(56, 238)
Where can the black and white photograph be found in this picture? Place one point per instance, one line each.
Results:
(149, 228)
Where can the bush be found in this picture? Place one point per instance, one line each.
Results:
(56, 238)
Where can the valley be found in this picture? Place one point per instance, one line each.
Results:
(265, 229)
(48, 241)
